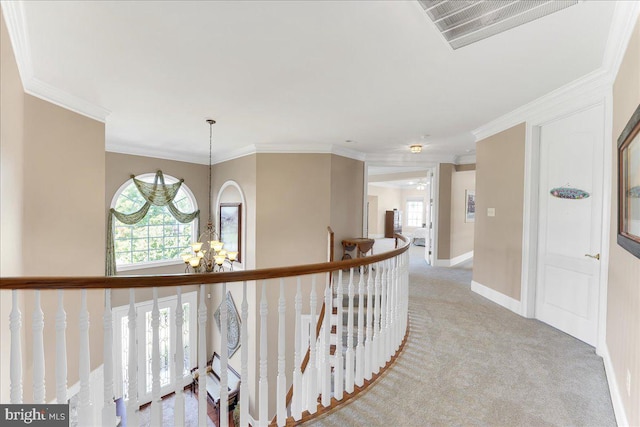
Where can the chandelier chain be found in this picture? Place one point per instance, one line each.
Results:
(211, 122)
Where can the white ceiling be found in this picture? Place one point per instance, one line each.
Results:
(297, 75)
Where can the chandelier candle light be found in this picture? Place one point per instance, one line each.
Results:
(215, 257)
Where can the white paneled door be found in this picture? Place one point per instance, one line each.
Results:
(568, 284)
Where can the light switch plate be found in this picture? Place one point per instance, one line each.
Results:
(491, 211)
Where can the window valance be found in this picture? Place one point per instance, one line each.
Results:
(156, 193)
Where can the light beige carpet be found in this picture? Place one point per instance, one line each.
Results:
(470, 362)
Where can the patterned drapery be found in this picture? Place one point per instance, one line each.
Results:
(156, 193)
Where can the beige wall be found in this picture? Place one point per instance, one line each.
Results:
(445, 173)
(295, 205)
(57, 175)
(347, 200)
(388, 200)
(455, 236)
(67, 219)
(293, 199)
(373, 214)
(499, 184)
(11, 171)
(623, 293)
(461, 231)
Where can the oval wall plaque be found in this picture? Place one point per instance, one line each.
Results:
(568, 193)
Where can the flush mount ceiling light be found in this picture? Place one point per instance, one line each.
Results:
(463, 22)
(415, 148)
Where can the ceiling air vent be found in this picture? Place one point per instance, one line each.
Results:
(465, 22)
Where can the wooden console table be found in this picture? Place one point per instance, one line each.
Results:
(361, 244)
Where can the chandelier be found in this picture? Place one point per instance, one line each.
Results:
(208, 253)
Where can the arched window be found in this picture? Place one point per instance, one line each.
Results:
(159, 239)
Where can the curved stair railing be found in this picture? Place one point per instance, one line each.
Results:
(320, 362)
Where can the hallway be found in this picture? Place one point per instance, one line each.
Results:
(469, 361)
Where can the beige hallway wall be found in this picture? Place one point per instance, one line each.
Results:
(388, 199)
(499, 184)
(55, 205)
(11, 189)
(455, 235)
(347, 200)
(461, 231)
(623, 293)
(445, 172)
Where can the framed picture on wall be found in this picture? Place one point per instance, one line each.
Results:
(470, 205)
(629, 185)
(231, 227)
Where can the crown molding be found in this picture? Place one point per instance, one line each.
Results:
(467, 159)
(586, 89)
(15, 18)
(45, 91)
(592, 83)
(408, 159)
(178, 156)
(181, 156)
(624, 21)
(289, 149)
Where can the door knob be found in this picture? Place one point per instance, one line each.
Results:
(596, 256)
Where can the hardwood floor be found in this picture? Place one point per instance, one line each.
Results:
(191, 412)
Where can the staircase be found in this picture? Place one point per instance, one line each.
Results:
(357, 338)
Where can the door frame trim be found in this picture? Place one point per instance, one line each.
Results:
(601, 94)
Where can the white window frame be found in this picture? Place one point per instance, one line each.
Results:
(422, 211)
(141, 309)
(161, 263)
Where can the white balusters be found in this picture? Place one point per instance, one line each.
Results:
(132, 365)
(383, 315)
(359, 379)
(281, 392)
(85, 406)
(202, 359)
(369, 337)
(109, 407)
(38, 351)
(178, 408)
(349, 356)
(296, 401)
(376, 319)
(373, 335)
(15, 361)
(312, 389)
(224, 355)
(156, 398)
(387, 333)
(244, 370)
(338, 388)
(326, 351)
(61, 351)
(263, 387)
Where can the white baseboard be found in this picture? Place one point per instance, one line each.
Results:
(453, 261)
(376, 236)
(497, 297)
(614, 390)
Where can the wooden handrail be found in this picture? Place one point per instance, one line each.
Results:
(142, 281)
